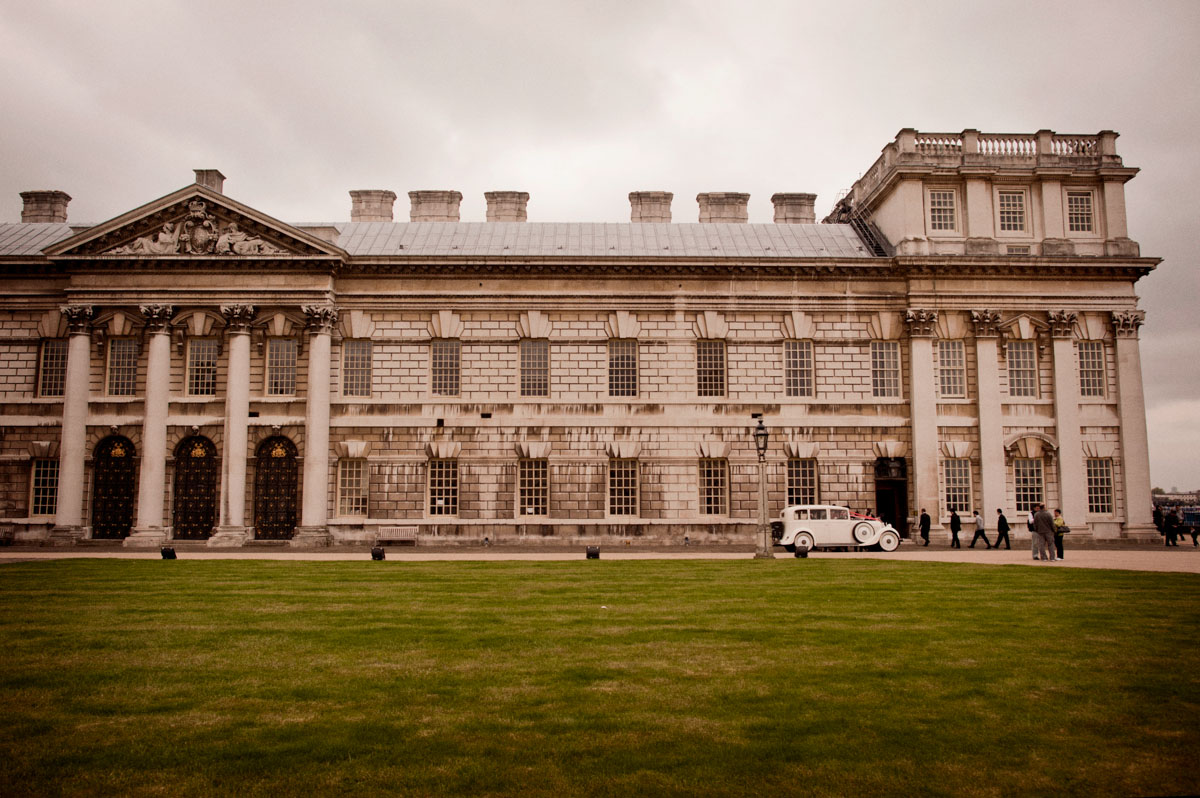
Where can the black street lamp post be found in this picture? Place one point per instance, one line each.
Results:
(764, 550)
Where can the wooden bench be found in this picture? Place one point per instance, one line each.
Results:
(402, 535)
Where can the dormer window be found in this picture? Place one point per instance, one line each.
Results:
(943, 212)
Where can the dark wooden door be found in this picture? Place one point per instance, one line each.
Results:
(196, 468)
(114, 472)
(275, 490)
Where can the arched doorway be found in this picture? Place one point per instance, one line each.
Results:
(113, 476)
(275, 490)
(196, 469)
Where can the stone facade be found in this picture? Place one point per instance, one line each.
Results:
(960, 331)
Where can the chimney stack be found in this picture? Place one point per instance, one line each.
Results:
(211, 178)
(44, 207)
(371, 205)
(506, 206)
(650, 206)
(724, 206)
(795, 208)
(434, 206)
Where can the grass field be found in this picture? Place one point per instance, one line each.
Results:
(595, 678)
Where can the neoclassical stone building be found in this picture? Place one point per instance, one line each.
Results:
(961, 331)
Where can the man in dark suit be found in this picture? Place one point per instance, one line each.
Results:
(955, 528)
(1002, 530)
(924, 526)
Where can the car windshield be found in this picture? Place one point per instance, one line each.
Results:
(840, 514)
(818, 515)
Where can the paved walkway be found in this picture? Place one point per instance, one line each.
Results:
(1182, 559)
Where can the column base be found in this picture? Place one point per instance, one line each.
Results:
(65, 536)
(229, 536)
(1142, 533)
(150, 537)
(311, 537)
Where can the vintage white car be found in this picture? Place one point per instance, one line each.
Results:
(809, 526)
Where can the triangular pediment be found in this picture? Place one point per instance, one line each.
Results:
(194, 222)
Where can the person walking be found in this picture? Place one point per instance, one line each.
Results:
(980, 532)
(1033, 538)
(1002, 530)
(1043, 530)
(1060, 529)
(1171, 528)
(924, 526)
(955, 528)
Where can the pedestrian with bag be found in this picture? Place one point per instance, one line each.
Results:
(924, 526)
(1060, 529)
(1043, 533)
(1002, 530)
(980, 532)
(955, 528)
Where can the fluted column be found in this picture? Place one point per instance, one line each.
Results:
(1135, 450)
(72, 448)
(232, 529)
(314, 516)
(1071, 476)
(991, 421)
(922, 401)
(149, 530)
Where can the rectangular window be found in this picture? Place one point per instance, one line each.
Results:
(281, 366)
(1100, 486)
(1091, 368)
(352, 487)
(533, 491)
(1079, 212)
(356, 367)
(52, 367)
(43, 498)
(885, 368)
(202, 367)
(622, 487)
(710, 368)
(1028, 484)
(952, 369)
(1012, 211)
(798, 368)
(1022, 368)
(942, 214)
(714, 487)
(445, 357)
(801, 481)
(122, 366)
(956, 475)
(535, 367)
(622, 367)
(443, 487)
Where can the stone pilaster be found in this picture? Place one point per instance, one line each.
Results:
(149, 531)
(991, 420)
(232, 529)
(314, 515)
(1072, 478)
(1135, 450)
(68, 521)
(923, 407)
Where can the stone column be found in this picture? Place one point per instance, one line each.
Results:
(232, 528)
(72, 448)
(1135, 450)
(922, 401)
(314, 515)
(149, 531)
(1072, 480)
(991, 420)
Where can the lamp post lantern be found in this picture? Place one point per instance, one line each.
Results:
(764, 550)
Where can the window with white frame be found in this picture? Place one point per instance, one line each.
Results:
(43, 493)
(352, 487)
(1091, 368)
(202, 367)
(445, 358)
(801, 480)
(956, 477)
(533, 487)
(714, 486)
(710, 368)
(281, 367)
(622, 367)
(798, 379)
(1010, 206)
(885, 369)
(52, 367)
(122, 366)
(1079, 212)
(952, 369)
(1028, 483)
(943, 214)
(1022, 368)
(1100, 485)
(357, 354)
(622, 486)
(535, 367)
(443, 487)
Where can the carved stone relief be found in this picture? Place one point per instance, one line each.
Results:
(198, 234)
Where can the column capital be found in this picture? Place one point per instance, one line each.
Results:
(921, 322)
(157, 317)
(321, 318)
(238, 318)
(987, 323)
(1126, 322)
(1062, 323)
(79, 318)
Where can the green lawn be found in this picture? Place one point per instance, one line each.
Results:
(595, 678)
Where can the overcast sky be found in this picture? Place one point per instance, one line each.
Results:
(580, 103)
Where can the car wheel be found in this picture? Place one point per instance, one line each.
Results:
(803, 542)
(863, 532)
(889, 541)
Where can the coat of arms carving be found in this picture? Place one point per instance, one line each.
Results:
(198, 234)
